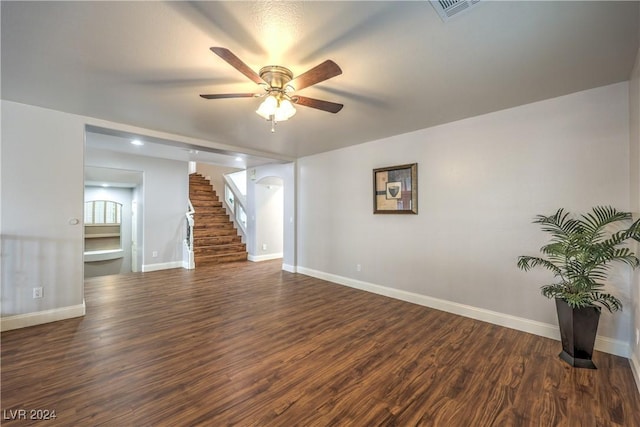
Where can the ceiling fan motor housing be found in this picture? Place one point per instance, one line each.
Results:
(276, 76)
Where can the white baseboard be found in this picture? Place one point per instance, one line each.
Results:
(39, 317)
(161, 266)
(604, 344)
(267, 257)
(635, 368)
(289, 268)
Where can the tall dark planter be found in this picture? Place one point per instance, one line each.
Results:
(578, 328)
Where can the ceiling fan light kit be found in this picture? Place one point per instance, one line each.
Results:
(278, 84)
(277, 107)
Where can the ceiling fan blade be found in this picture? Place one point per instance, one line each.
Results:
(237, 63)
(319, 104)
(229, 95)
(317, 74)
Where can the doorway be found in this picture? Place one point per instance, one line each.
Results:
(269, 214)
(116, 250)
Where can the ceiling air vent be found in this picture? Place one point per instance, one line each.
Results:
(448, 8)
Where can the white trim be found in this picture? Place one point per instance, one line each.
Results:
(39, 317)
(188, 257)
(162, 266)
(267, 257)
(106, 255)
(605, 344)
(289, 268)
(635, 368)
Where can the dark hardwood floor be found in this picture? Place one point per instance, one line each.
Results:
(247, 344)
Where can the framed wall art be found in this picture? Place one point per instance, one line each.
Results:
(395, 189)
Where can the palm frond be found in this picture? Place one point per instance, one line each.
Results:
(560, 225)
(580, 254)
(526, 263)
(633, 232)
(609, 301)
(601, 216)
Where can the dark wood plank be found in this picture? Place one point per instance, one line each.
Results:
(247, 344)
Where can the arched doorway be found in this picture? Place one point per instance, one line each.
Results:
(269, 218)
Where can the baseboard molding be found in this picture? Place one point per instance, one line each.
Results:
(289, 268)
(604, 344)
(39, 317)
(267, 257)
(635, 368)
(161, 266)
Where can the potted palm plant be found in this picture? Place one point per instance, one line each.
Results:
(579, 254)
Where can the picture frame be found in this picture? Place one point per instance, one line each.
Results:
(395, 189)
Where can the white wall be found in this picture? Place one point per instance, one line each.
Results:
(165, 201)
(269, 206)
(286, 172)
(634, 164)
(215, 174)
(42, 194)
(42, 191)
(481, 182)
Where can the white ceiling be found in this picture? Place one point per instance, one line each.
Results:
(145, 63)
(102, 177)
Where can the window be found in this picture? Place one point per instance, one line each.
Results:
(102, 227)
(102, 212)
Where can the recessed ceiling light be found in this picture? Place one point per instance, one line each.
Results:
(238, 159)
(137, 142)
(105, 185)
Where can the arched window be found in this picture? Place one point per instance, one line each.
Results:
(102, 225)
(102, 212)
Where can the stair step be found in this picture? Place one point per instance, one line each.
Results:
(199, 183)
(215, 225)
(207, 195)
(230, 248)
(213, 232)
(204, 241)
(203, 195)
(201, 188)
(207, 218)
(205, 203)
(215, 210)
(218, 259)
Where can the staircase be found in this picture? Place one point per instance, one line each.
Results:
(215, 239)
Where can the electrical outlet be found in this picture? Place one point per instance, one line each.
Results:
(637, 336)
(154, 254)
(358, 267)
(264, 246)
(37, 292)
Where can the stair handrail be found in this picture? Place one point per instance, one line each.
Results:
(240, 200)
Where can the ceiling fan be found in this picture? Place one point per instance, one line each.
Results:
(279, 84)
